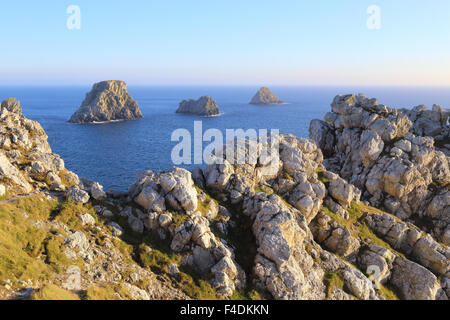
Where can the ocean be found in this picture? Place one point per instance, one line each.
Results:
(112, 153)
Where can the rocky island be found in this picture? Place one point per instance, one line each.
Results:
(360, 211)
(205, 106)
(107, 101)
(265, 97)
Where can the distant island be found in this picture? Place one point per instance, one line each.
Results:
(205, 106)
(107, 101)
(265, 97)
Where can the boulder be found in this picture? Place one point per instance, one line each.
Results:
(77, 195)
(414, 281)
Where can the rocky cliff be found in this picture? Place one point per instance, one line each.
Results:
(265, 97)
(205, 106)
(107, 101)
(359, 211)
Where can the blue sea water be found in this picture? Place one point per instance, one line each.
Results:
(112, 153)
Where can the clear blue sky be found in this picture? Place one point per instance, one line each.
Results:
(246, 42)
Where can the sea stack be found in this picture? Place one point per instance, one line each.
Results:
(205, 106)
(107, 101)
(265, 97)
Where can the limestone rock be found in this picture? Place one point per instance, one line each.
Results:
(136, 293)
(174, 187)
(107, 101)
(9, 172)
(389, 155)
(12, 105)
(116, 229)
(265, 97)
(77, 195)
(414, 281)
(87, 219)
(205, 106)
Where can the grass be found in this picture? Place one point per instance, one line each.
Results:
(357, 226)
(334, 279)
(53, 292)
(109, 292)
(55, 257)
(155, 259)
(196, 285)
(179, 218)
(287, 176)
(190, 282)
(321, 177)
(69, 212)
(41, 178)
(387, 292)
(203, 206)
(438, 184)
(250, 295)
(65, 178)
(20, 246)
(263, 189)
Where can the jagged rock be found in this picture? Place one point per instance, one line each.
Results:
(414, 281)
(199, 178)
(341, 190)
(87, 219)
(208, 254)
(359, 284)
(97, 192)
(78, 241)
(382, 258)
(205, 106)
(136, 293)
(116, 229)
(173, 269)
(377, 150)
(136, 224)
(265, 96)
(411, 241)
(9, 172)
(26, 158)
(107, 101)
(322, 134)
(174, 187)
(11, 105)
(77, 195)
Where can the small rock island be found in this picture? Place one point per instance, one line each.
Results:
(265, 97)
(205, 106)
(107, 101)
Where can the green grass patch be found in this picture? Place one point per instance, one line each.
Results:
(287, 176)
(249, 295)
(155, 259)
(357, 226)
(20, 246)
(321, 177)
(69, 213)
(334, 279)
(197, 288)
(53, 292)
(388, 292)
(263, 189)
(108, 292)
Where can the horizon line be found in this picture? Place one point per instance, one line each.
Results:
(37, 85)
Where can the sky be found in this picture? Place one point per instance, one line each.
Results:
(246, 42)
